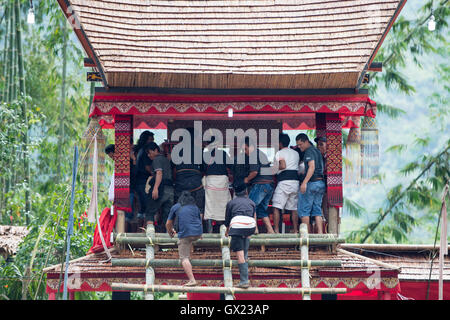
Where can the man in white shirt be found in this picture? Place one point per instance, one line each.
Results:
(286, 192)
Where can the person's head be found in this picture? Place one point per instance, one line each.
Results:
(109, 150)
(144, 138)
(240, 188)
(303, 142)
(152, 150)
(186, 198)
(248, 146)
(321, 144)
(284, 140)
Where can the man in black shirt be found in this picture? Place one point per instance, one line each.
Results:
(160, 185)
(322, 146)
(313, 186)
(142, 171)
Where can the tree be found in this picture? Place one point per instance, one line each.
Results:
(406, 207)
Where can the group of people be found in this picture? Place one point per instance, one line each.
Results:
(188, 198)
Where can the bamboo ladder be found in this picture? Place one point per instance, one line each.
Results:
(151, 239)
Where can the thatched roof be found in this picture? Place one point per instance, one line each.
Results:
(286, 44)
(10, 239)
(416, 261)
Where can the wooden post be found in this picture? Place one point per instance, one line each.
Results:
(150, 254)
(304, 256)
(227, 274)
(123, 131)
(333, 227)
(120, 223)
(334, 185)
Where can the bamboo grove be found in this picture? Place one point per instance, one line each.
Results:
(14, 95)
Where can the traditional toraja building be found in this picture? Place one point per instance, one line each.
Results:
(235, 64)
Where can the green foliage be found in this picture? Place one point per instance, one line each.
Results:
(395, 220)
(45, 244)
(419, 202)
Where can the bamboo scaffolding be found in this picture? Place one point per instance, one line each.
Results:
(217, 236)
(117, 262)
(232, 291)
(217, 242)
(150, 254)
(304, 256)
(227, 274)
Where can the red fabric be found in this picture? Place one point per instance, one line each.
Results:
(107, 223)
(105, 124)
(351, 295)
(417, 290)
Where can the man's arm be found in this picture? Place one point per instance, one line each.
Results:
(227, 218)
(251, 176)
(158, 180)
(309, 174)
(281, 164)
(169, 227)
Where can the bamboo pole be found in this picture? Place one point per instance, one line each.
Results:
(374, 261)
(22, 92)
(13, 80)
(216, 235)
(10, 55)
(227, 274)
(150, 254)
(333, 217)
(306, 264)
(63, 100)
(217, 242)
(201, 289)
(304, 257)
(5, 55)
(389, 247)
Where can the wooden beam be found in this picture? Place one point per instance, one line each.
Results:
(376, 67)
(390, 247)
(379, 263)
(216, 235)
(139, 262)
(81, 35)
(253, 290)
(374, 54)
(218, 242)
(89, 63)
(276, 92)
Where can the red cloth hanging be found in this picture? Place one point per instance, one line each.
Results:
(107, 223)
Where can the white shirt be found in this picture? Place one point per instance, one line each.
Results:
(290, 156)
